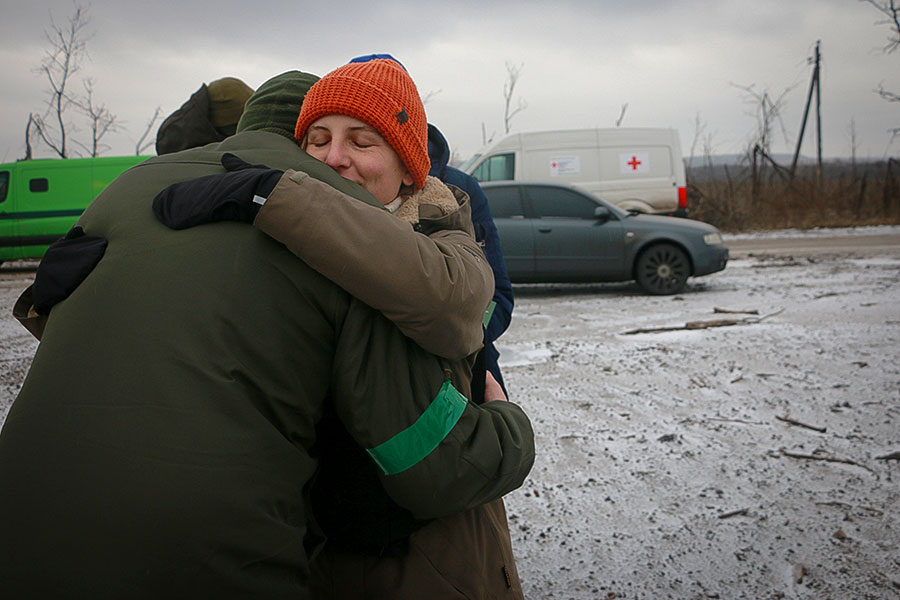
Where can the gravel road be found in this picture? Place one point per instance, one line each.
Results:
(858, 245)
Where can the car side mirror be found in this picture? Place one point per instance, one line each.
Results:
(602, 213)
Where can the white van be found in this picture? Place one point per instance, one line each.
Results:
(635, 168)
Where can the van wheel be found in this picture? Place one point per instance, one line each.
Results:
(662, 269)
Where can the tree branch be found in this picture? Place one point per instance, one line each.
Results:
(513, 72)
(60, 63)
(140, 146)
(891, 11)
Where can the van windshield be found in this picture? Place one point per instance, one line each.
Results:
(465, 166)
(500, 167)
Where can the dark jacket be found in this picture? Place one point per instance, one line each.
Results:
(161, 445)
(486, 235)
(189, 126)
(210, 115)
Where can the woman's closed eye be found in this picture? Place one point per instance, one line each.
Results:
(366, 139)
(318, 140)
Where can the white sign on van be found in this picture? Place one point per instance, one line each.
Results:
(565, 165)
(633, 163)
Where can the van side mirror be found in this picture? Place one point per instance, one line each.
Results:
(602, 213)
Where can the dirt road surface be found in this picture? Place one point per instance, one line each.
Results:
(741, 460)
(858, 245)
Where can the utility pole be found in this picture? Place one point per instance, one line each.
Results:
(814, 87)
(818, 122)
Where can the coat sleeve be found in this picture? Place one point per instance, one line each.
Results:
(487, 454)
(66, 263)
(24, 312)
(437, 452)
(434, 288)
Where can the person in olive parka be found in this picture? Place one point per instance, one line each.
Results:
(160, 445)
(351, 119)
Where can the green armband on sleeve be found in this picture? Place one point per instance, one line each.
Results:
(417, 441)
(488, 314)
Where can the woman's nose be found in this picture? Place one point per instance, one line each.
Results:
(337, 156)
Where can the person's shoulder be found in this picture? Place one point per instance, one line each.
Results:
(460, 179)
(255, 147)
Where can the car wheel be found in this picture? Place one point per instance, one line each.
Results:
(663, 269)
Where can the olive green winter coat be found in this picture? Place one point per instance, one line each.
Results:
(160, 446)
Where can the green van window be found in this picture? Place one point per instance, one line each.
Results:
(38, 185)
(4, 184)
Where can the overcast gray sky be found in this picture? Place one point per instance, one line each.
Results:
(673, 62)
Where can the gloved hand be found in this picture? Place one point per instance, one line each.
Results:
(66, 263)
(232, 196)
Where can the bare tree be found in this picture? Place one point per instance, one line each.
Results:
(891, 11)
(708, 148)
(622, 114)
(429, 96)
(485, 140)
(767, 113)
(28, 136)
(140, 146)
(699, 129)
(61, 61)
(889, 96)
(513, 72)
(101, 119)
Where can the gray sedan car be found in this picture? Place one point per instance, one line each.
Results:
(557, 233)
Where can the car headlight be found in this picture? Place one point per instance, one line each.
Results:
(713, 238)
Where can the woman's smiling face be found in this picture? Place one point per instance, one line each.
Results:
(359, 153)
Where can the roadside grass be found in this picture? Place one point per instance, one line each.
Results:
(737, 199)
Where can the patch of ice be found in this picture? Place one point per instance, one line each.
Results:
(512, 356)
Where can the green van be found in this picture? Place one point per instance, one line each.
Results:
(41, 199)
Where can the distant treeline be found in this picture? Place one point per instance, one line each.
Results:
(746, 197)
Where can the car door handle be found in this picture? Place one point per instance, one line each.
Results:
(545, 229)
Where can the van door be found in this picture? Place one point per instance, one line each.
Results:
(571, 243)
(52, 195)
(8, 225)
(515, 231)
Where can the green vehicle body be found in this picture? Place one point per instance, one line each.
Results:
(41, 199)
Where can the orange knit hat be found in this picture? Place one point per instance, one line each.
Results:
(382, 94)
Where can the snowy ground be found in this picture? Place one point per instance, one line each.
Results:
(664, 469)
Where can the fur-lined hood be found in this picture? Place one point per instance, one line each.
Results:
(433, 194)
